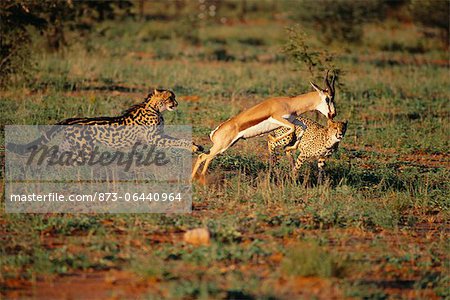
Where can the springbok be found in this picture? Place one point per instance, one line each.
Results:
(266, 116)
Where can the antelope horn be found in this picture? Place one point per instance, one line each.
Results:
(332, 81)
(327, 83)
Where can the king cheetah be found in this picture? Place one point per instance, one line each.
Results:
(141, 122)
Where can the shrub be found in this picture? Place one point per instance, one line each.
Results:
(315, 60)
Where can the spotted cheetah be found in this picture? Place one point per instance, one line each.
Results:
(141, 122)
(316, 142)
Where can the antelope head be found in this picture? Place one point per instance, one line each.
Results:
(326, 107)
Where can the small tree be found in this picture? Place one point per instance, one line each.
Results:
(307, 58)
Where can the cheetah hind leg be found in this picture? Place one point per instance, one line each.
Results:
(290, 157)
(321, 166)
(71, 152)
(81, 151)
(298, 137)
(290, 149)
(276, 153)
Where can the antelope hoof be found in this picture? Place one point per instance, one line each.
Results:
(202, 179)
(199, 178)
(197, 148)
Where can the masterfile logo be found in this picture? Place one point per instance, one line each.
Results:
(84, 169)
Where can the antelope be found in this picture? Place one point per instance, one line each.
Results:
(266, 116)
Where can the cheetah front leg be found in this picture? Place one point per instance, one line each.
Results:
(166, 141)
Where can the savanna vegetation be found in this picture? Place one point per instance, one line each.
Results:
(377, 229)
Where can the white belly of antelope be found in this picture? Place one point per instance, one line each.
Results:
(260, 128)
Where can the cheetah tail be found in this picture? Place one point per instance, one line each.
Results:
(23, 149)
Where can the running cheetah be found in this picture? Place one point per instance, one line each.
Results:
(316, 142)
(141, 122)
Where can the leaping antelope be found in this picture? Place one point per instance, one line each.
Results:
(266, 116)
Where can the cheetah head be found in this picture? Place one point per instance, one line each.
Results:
(162, 100)
(337, 129)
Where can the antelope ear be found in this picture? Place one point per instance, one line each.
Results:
(316, 87)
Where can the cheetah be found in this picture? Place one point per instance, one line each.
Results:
(316, 142)
(141, 122)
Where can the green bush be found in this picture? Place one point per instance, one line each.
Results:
(309, 259)
(307, 57)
